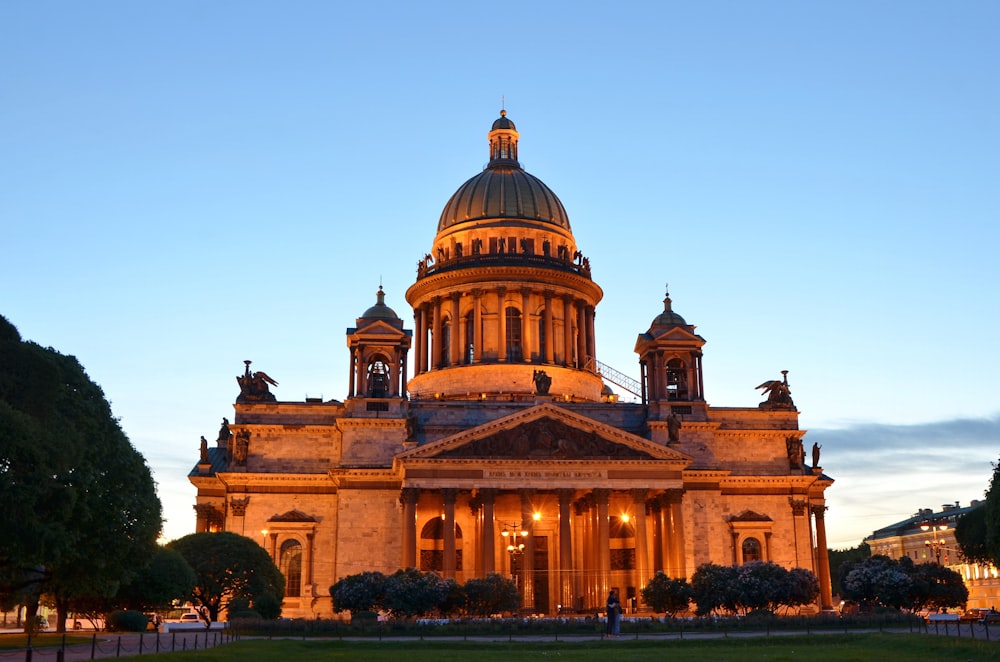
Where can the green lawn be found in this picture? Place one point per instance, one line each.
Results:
(816, 648)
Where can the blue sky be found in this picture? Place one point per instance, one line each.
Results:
(186, 185)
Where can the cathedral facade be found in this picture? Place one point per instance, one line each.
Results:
(506, 449)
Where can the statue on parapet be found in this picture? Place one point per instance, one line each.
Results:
(225, 434)
(779, 395)
(673, 427)
(815, 455)
(542, 382)
(254, 386)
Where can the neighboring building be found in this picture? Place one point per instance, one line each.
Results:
(507, 427)
(929, 537)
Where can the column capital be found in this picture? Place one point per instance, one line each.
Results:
(639, 495)
(409, 495)
(449, 494)
(602, 495)
(818, 510)
(565, 495)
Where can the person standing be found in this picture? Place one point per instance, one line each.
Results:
(613, 609)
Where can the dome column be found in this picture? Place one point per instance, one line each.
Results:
(501, 326)
(581, 336)
(549, 356)
(435, 362)
(527, 337)
(591, 337)
(567, 355)
(420, 315)
(477, 327)
(457, 331)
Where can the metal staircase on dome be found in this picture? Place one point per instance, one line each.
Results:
(616, 377)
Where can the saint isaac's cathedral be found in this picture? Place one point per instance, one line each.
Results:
(506, 449)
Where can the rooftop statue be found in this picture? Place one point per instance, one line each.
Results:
(779, 395)
(254, 386)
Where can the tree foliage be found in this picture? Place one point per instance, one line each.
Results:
(758, 585)
(936, 587)
(877, 582)
(492, 594)
(361, 592)
(843, 558)
(667, 595)
(167, 577)
(80, 506)
(970, 533)
(227, 566)
(409, 593)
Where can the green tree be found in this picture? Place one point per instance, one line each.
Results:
(93, 514)
(361, 592)
(227, 566)
(167, 577)
(936, 587)
(841, 559)
(492, 594)
(970, 533)
(803, 587)
(713, 588)
(667, 595)
(409, 593)
(761, 585)
(878, 582)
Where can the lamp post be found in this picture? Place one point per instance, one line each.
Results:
(514, 535)
(935, 544)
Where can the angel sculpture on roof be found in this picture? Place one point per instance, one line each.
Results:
(254, 386)
(779, 395)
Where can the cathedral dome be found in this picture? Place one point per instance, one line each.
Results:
(503, 189)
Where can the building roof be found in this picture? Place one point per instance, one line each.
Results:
(948, 515)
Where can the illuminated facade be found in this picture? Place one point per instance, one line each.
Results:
(929, 537)
(493, 416)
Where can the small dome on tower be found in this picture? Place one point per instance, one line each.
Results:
(380, 310)
(668, 317)
(503, 122)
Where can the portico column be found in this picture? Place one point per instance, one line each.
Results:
(501, 326)
(602, 498)
(657, 513)
(676, 535)
(448, 495)
(408, 497)
(822, 558)
(641, 552)
(565, 549)
(488, 498)
(528, 559)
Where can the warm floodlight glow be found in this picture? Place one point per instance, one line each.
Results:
(625, 517)
(536, 516)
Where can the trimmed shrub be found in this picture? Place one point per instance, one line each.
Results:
(127, 621)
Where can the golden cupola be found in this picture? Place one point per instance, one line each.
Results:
(504, 291)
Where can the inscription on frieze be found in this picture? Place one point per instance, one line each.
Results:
(545, 438)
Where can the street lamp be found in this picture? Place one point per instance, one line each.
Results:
(935, 544)
(514, 535)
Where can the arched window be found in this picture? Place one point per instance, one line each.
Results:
(751, 550)
(676, 380)
(432, 546)
(514, 351)
(291, 567)
(445, 358)
(378, 378)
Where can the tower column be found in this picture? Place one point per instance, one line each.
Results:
(354, 369)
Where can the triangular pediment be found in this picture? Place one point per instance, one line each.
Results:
(750, 516)
(292, 516)
(377, 328)
(545, 432)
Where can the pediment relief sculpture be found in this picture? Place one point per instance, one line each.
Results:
(545, 439)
